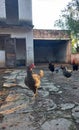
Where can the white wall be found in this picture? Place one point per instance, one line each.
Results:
(25, 9)
(20, 33)
(15, 33)
(2, 58)
(29, 48)
(2, 9)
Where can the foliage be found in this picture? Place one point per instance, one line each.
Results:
(69, 20)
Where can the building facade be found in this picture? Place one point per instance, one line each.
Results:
(16, 33)
(51, 45)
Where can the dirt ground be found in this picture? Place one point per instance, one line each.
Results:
(69, 88)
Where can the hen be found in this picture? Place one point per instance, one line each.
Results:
(66, 72)
(32, 80)
(51, 67)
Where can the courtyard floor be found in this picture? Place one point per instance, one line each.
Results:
(55, 108)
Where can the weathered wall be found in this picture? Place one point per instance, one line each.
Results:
(57, 52)
(29, 48)
(10, 52)
(15, 32)
(49, 34)
(68, 52)
(27, 35)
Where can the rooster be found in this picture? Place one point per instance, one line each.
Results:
(32, 80)
(51, 67)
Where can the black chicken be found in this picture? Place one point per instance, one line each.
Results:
(51, 67)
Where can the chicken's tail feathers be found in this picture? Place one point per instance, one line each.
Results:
(41, 73)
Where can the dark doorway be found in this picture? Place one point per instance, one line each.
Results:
(50, 50)
(20, 52)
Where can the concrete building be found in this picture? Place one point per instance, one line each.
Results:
(16, 33)
(51, 45)
(21, 45)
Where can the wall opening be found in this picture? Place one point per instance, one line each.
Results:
(20, 52)
(50, 50)
(11, 11)
(2, 43)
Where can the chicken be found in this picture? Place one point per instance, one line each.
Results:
(66, 72)
(32, 80)
(74, 65)
(51, 67)
(37, 78)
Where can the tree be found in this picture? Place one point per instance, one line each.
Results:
(69, 21)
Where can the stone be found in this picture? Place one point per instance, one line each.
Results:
(75, 113)
(58, 124)
(67, 106)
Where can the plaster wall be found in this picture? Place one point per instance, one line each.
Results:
(2, 58)
(28, 46)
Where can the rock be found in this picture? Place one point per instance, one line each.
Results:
(49, 104)
(7, 85)
(67, 106)
(58, 124)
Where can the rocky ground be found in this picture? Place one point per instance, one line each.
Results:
(55, 108)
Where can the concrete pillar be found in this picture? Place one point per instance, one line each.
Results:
(29, 48)
(68, 53)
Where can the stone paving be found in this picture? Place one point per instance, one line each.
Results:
(51, 110)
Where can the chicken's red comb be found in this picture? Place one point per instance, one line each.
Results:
(32, 66)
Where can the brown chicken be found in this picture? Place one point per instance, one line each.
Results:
(32, 80)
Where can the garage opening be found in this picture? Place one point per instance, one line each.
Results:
(50, 50)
